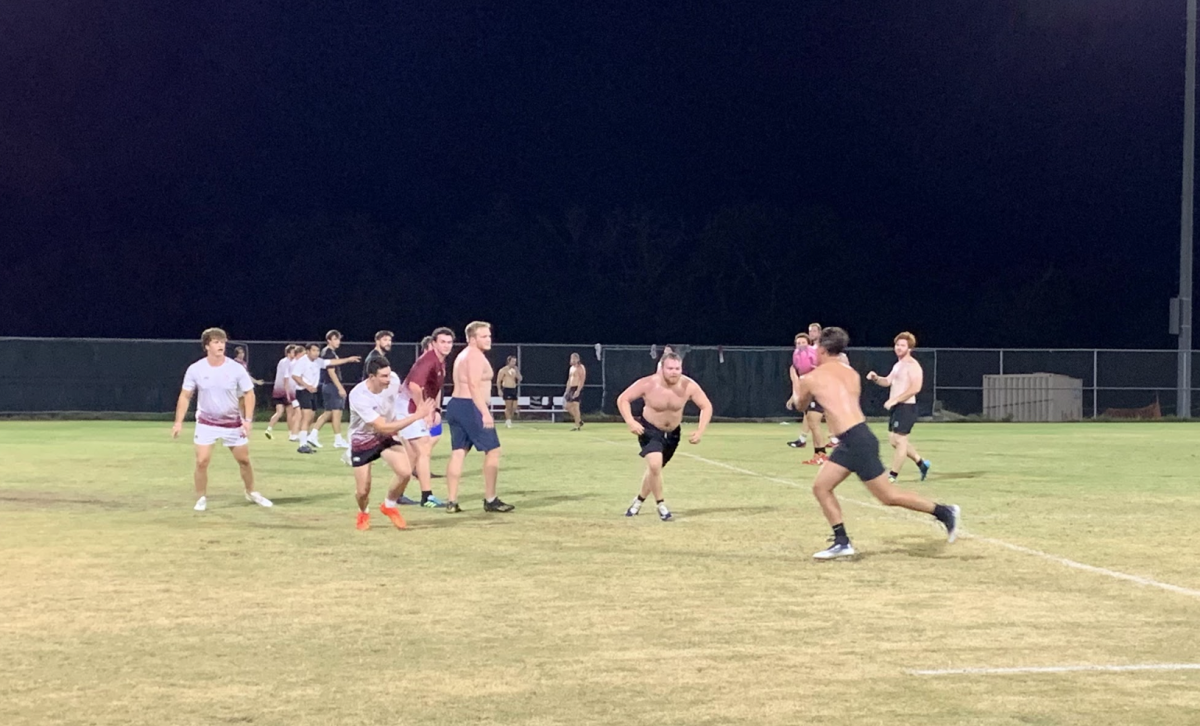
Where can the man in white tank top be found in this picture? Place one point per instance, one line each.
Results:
(219, 383)
(905, 380)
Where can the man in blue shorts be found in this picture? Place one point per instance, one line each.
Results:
(470, 420)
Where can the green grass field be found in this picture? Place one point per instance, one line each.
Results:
(119, 605)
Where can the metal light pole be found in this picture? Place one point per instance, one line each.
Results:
(1184, 394)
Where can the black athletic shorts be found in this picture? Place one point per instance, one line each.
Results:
(858, 451)
(280, 400)
(903, 418)
(306, 399)
(510, 394)
(363, 457)
(655, 439)
(816, 407)
(571, 397)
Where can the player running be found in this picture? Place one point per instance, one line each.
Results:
(905, 380)
(373, 429)
(659, 427)
(838, 388)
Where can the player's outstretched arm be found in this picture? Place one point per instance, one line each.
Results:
(343, 361)
(801, 395)
(700, 398)
(625, 404)
(181, 409)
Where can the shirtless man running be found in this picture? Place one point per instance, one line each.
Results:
(659, 428)
(906, 381)
(470, 420)
(837, 387)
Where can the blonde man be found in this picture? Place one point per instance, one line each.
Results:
(470, 419)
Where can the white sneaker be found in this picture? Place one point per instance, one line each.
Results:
(835, 551)
(201, 504)
(952, 530)
(508, 424)
(312, 441)
(346, 457)
(340, 443)
(293, 438)
(663, 513)
(258, 499)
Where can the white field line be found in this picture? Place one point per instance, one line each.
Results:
(1058, 669)
(1146, 581)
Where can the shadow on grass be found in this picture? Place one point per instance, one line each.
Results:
(309, 498)
(927, 547)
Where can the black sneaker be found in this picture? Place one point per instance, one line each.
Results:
(305, 450)
(496, 505)
(798, 444)
(453, 508)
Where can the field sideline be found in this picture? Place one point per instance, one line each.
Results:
(119, 605)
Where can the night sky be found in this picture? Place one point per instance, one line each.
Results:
(983, 172)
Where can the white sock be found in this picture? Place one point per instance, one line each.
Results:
(389, 504)
(304, 438)
(312, 434)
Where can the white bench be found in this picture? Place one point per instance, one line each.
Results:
(546, 404)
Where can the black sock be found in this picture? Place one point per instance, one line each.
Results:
(839, 534)
(943, 513)
(641, 498)
(893, 474)
(819, 450)
(425, 496)
(660, 501)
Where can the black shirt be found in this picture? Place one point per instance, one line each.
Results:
(370, 357)
(328, 354)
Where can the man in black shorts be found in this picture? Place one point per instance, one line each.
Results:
(836, 385)
(659, 427)
(905, 381)
(507, 381)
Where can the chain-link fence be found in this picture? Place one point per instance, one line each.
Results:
(48, 375)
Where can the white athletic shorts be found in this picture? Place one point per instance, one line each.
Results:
(208, 435)
(414, 430)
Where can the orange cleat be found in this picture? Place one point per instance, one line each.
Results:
(817, 460)
(364, 522)
(393, 513)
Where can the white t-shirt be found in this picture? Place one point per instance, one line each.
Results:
(309, 369)
(282, 372)
(219, 390)
(365, 409)
(901, 378)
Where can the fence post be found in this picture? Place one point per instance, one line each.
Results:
(934, 378)
(522, 374)
(603, 377)
(1095, 384)
(1001, 361)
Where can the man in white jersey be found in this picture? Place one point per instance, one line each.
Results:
(306, 372)
(470, 419)
(576, 376)
(279, 391)
(905, 380)
(220, 382)
(373, 430)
